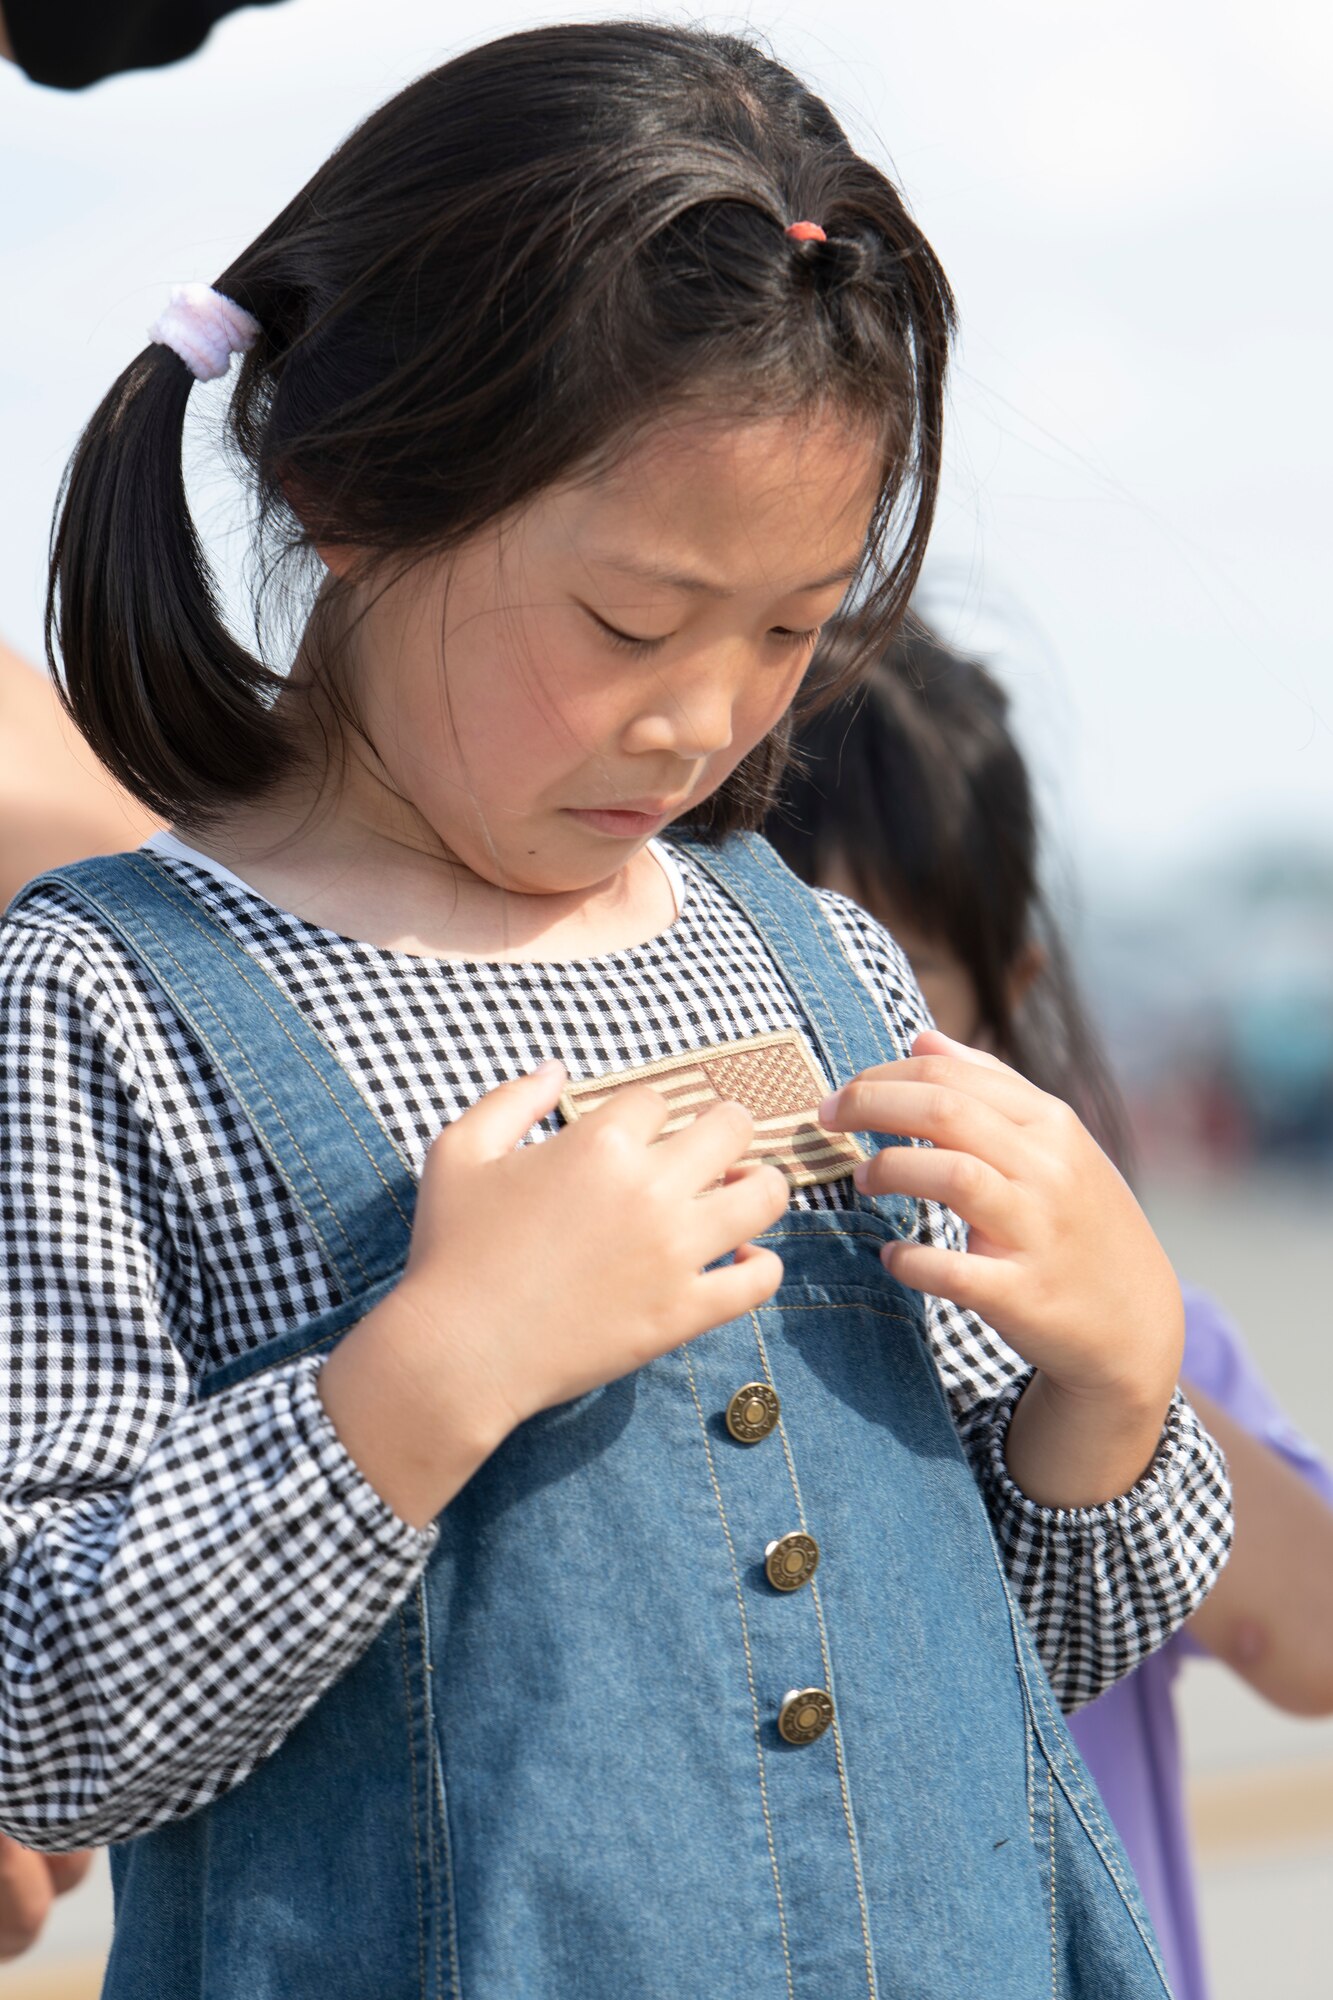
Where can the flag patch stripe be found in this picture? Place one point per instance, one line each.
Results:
(776, 1077)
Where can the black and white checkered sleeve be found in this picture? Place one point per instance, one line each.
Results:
(1104, 1586)
(179, 1579)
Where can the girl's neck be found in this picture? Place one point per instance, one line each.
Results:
(383, 878)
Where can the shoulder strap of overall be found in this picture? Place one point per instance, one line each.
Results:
(351, 1183)
(848, 1027)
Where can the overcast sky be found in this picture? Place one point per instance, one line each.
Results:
(1135, 207)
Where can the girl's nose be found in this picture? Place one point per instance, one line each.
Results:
(690, 724)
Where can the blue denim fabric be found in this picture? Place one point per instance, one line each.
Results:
(556, 1774)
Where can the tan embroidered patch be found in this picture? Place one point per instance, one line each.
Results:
(776, 1078)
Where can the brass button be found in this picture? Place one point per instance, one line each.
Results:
(792, 1561)
(752, 1412)
(804, 1716)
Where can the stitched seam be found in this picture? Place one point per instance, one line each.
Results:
(1075, 1783)
(860, 1235)
(1076, 1792)
(828, 1676)
(412, 1793)
(264, 1092)
(1036, 1684)
(242, 967)
(852, 1306)
(749, 1672)
(455, 1977)
(1029, 1734)
(1055, 1962)
(1082, 1801)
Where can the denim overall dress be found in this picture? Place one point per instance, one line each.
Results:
(558, 1772)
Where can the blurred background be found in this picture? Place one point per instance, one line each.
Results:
(1131, 206)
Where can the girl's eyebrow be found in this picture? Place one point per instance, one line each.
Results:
(675, 579)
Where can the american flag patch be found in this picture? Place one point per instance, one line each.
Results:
(775, 1077)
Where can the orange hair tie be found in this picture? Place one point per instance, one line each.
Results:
(805, 232)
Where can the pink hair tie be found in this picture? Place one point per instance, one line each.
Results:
(805, 232)
(205, 329)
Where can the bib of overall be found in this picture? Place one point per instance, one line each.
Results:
(557, 1773)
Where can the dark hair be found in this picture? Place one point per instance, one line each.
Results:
(494, 281)
(916, 786)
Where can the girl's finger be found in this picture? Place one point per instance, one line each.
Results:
(496, 1123)
(705, 1149)
(930, 1042)
(734, 1289)
(750, 1203)
(986, 1200)
(983, 1285)
(639, 1113)
(986, 1081)
(948, 1118)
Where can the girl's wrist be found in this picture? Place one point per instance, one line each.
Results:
(415, 1427)
(1071, 1449)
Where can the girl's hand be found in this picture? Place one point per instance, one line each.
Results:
(537, 1273)
(1061, 1260)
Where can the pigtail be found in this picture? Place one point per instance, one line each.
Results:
(172, 705)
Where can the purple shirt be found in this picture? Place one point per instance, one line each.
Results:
(1129, 1738)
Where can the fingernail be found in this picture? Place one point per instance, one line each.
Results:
(829, 1108)
(861, 1173)
(545, 1068)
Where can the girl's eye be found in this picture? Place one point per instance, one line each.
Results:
(627, 641)
(786, 637)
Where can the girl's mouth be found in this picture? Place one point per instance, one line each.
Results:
(618, 822)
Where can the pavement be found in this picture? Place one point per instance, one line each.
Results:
(1261, 1783)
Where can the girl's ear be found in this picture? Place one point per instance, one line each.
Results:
(337, 559)
(1024, 972)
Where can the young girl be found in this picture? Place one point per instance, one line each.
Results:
(917, 798)
(455, 1565)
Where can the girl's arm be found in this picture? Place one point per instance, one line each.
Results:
(1114, 1542)
(1270, 1615)
(179, 1580)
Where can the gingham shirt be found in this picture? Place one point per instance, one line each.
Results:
(182, 1579)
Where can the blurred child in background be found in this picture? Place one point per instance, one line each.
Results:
(912, 796)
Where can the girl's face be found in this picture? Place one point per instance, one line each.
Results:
(546, 699)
